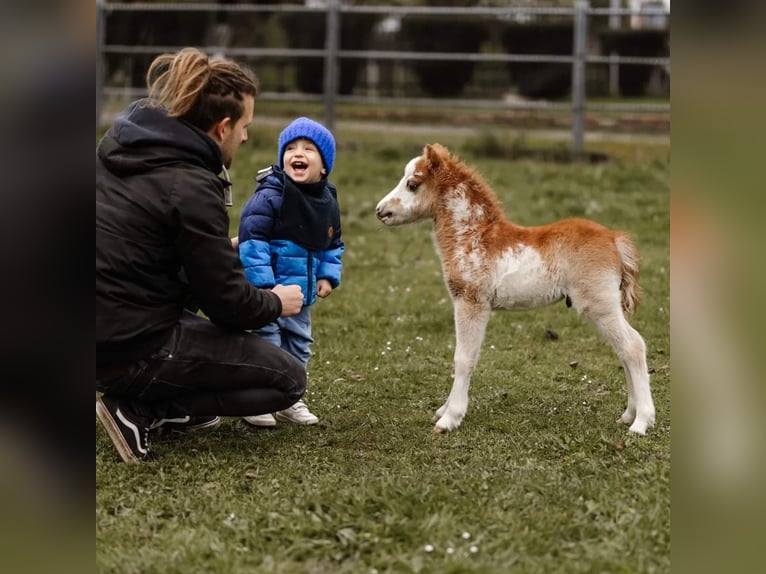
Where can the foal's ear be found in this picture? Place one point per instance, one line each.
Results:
(435, 155)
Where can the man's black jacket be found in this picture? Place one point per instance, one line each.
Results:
(162, 237)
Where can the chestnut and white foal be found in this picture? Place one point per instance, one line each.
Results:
(489, 262)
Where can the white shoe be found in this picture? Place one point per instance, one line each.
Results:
(266, 420)
(298, 413)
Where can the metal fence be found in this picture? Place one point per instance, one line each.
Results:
(580, 13)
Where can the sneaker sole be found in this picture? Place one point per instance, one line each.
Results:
(114, 433)
(212, 424)
(259, 424)
(283, 419)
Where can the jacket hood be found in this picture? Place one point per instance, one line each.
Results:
(145, 137)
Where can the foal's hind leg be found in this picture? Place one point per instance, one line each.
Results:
(631, 350)
(470, 325)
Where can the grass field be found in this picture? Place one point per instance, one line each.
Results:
(539, 477)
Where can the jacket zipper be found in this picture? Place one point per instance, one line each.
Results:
(309, 273)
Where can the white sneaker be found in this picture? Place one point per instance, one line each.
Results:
(266, 420)
(298, 413)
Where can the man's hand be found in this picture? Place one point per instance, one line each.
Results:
(323, 288)
(235, 243)
(291, 297)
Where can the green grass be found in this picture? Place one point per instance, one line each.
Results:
(539, 475)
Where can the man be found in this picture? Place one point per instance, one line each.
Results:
(162, 248)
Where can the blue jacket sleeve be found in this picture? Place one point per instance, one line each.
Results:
(256, 257)
(255, 228)
(330, 265)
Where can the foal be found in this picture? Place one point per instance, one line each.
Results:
(489, 262)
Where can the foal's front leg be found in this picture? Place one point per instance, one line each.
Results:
(470, 325)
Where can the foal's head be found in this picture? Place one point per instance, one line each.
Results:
(416, 196)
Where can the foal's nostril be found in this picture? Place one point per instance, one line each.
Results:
(382, 214)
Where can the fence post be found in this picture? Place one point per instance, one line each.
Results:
(99, 57)
(578, 75)
(615, 23)
(332, 45)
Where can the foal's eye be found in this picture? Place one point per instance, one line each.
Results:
(412, 185)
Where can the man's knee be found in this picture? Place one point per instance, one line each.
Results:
(297, 375)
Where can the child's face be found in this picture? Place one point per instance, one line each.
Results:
(302, 161)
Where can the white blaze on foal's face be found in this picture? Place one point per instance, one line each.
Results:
(408, 201)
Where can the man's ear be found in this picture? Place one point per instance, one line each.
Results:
(218, 130)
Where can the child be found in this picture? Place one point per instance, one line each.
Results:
(289, 234)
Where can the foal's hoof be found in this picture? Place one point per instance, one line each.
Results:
(627, 417)
(643, 421)
(639, 427)
(439, 430)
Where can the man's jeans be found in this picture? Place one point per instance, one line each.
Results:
(203, 369)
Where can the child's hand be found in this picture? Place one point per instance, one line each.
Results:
(323, 288)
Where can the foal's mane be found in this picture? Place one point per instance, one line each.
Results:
(454, 172)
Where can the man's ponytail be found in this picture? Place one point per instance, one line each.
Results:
(199, 89)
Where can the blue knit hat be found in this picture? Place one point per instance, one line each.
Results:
(311, 130)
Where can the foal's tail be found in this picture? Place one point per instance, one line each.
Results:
(631, 292)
